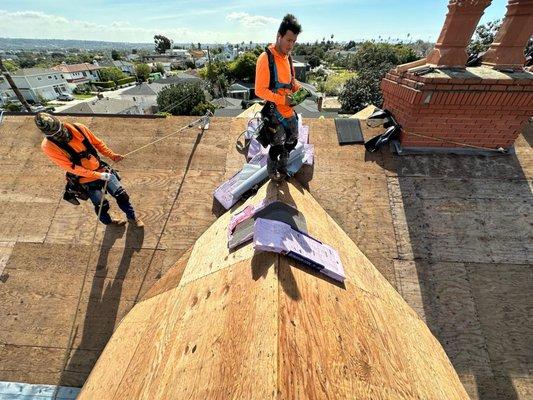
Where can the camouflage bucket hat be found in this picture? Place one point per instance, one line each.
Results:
(47, 123)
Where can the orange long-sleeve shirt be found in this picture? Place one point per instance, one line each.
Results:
(262, 80)
(88, 171)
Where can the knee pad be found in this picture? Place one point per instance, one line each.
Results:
(105, 207)
(122, 196)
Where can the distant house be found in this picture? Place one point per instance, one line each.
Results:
(300, 70)
(227, 106)
(242, 90)
(144, 96)
(105, 106)
(180, 78)
(4, 87)
(200, 62)
(125, 66)
(170, 56)
(36, 83)
(76, 74)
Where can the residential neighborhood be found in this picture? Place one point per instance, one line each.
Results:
(129, 82)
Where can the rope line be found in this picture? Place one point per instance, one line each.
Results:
(203, 118)
(73, 329)
(501, 150)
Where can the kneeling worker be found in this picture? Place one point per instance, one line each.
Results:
(74, 148)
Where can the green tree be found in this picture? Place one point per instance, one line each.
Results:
(11, 66)
(484, 36)
(180, 99)
(243, 68)
(27, 60)
(159, 68)
(202, 108)
(115, 55)
(362, 90)
(217, 75)
(372, 55)
(112, 74)
(142, 71)
(313, 60)
(162, 43)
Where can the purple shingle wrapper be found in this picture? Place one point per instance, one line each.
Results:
(229, 192)
(252, 127)
(309, 154)
(255, 148)
(303, 134)
(279, 237)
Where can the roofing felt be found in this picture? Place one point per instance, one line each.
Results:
(450, 233)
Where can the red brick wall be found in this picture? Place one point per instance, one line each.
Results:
(474, 111)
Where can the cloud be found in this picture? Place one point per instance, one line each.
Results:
(252, 21)
(47, 26)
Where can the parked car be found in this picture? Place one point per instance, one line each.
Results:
(65, 97)
(37, 107)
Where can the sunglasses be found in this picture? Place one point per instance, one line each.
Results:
(56, 132)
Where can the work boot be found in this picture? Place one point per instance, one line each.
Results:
(117, 222)
(137, 223)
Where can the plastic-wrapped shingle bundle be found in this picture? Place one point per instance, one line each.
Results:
(279, 237)
(251, 174)
(241, 226)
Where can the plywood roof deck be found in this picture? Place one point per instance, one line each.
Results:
(452, 234)
(251, 325)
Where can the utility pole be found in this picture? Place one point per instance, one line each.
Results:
(14, 87)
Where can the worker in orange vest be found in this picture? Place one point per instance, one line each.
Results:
(74, 148)
(275, 83)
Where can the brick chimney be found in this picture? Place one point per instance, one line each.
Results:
(444, 105)
(459, 26)
(507, 50)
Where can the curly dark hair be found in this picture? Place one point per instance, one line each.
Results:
(289, 23)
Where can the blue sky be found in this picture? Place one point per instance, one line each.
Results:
(225, 21)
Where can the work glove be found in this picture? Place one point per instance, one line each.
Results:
(117, 157)
(105, 176)
(299, 96)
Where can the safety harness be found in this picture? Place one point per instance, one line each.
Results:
(275, 84)
(76, 157)
(74, 190)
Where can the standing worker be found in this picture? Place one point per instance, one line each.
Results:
(74, 148)
(275, 83)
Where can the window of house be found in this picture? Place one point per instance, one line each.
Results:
(38, 78)
(62, 77)
(84, 74)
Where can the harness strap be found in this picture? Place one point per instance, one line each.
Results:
(275, 84)
(75, 157)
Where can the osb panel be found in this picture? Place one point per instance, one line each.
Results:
(502, 295)
(463, 220)
(194, 329)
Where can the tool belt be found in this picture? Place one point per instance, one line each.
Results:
(269, 124)
(76, 191)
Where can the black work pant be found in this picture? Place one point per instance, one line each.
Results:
(282, 143)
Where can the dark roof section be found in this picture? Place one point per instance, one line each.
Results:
(144, 89)
(181, 78)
